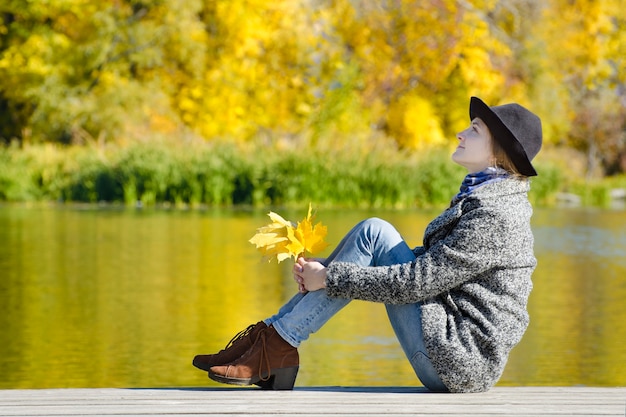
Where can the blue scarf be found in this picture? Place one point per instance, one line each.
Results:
(477, 179)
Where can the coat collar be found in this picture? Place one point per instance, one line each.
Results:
(488, 193)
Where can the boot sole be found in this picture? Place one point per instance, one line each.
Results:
(278, 379)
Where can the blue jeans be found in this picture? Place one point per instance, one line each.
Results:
(372, 242)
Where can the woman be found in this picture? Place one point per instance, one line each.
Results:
(458, 304)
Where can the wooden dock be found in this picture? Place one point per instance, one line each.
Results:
(314, 401)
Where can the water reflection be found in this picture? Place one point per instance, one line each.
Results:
(95, 297)
(577, 319)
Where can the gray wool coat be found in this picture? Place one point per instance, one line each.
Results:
(473, 278)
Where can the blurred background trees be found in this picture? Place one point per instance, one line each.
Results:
(329, 73)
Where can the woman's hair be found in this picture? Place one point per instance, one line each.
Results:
(503, 160)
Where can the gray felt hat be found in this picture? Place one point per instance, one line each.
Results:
(515, 128)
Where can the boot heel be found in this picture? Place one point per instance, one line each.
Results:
(283, 379)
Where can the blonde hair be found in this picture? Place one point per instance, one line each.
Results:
(502, 159)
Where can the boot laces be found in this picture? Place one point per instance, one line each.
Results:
(264, 356)
(240, 336)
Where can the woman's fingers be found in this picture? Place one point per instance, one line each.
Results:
(297, 275)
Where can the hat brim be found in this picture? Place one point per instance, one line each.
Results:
(503, 135)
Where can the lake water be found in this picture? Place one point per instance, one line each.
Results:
(112, 297)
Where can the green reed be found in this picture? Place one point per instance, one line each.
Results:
(198, 174)
(599, 193)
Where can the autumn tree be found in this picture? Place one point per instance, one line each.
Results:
(418, 62)
(322, 73)
(266, 65)
(71, 70)
(585, 46)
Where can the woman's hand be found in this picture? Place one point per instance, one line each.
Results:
(309, 274)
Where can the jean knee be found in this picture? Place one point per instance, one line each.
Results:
(377, 225)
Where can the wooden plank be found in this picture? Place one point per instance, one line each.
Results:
(314, 401)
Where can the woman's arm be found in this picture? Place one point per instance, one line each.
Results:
(476, 244)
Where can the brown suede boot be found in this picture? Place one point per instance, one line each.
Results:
(237, 346)
(271, 363)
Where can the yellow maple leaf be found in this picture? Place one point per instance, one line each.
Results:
(272, 239)
(283, 239)
(311, 237)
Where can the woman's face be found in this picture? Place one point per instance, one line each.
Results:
(474, 151)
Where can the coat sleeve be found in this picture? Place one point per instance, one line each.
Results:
(470, 248)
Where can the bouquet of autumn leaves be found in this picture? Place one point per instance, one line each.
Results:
(284, 239)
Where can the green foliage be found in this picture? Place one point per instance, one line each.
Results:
(201, 174)
(592, 193)
(546, 185)
(15, 181)
(599, 193)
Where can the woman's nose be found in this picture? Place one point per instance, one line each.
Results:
(461, 134)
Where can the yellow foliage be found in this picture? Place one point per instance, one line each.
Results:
(478, 47)
(284, 240)
(414, 123)
(334, 73)
(583, 44)
(254, 81)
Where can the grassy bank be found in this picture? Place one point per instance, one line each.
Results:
(203, 174)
